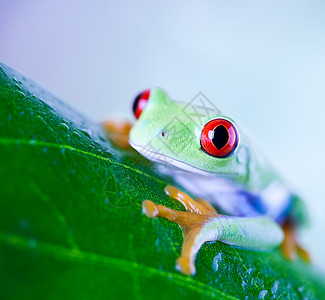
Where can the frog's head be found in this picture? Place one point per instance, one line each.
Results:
(169, 132)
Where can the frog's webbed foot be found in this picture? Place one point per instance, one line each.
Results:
(201, 223)
(117, 130)
(198, 213)
(290, 247)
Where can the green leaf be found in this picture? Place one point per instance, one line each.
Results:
(71, 224)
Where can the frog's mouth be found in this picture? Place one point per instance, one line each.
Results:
(166, 160)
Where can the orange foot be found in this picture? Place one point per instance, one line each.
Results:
(198, 214)
(117, 130)
(290, 247)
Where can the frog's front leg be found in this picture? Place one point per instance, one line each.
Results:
(117, 130)
(201, 223)
(192, 222)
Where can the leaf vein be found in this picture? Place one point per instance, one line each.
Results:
(62, 253)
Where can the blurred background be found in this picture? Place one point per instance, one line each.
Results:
(262, 62)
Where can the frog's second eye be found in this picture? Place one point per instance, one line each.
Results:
(219, 138)
(140, 103)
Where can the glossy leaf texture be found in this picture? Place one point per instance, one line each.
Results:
(71, 225)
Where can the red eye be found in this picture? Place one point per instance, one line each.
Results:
(140, 103)
(219, 138)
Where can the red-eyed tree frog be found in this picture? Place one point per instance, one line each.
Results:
(210, 157)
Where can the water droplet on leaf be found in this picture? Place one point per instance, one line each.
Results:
(262, 294)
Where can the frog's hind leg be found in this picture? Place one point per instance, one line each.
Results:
(289, 247)
(192, 222)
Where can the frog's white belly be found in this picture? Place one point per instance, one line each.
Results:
(230, 197)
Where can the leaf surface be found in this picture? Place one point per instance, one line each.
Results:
(71, 224)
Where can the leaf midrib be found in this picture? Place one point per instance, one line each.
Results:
(12, 141)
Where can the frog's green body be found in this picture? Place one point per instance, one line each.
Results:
(244, 171)
(242, 184)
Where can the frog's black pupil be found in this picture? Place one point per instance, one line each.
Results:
(220, 137)
(135, 102)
